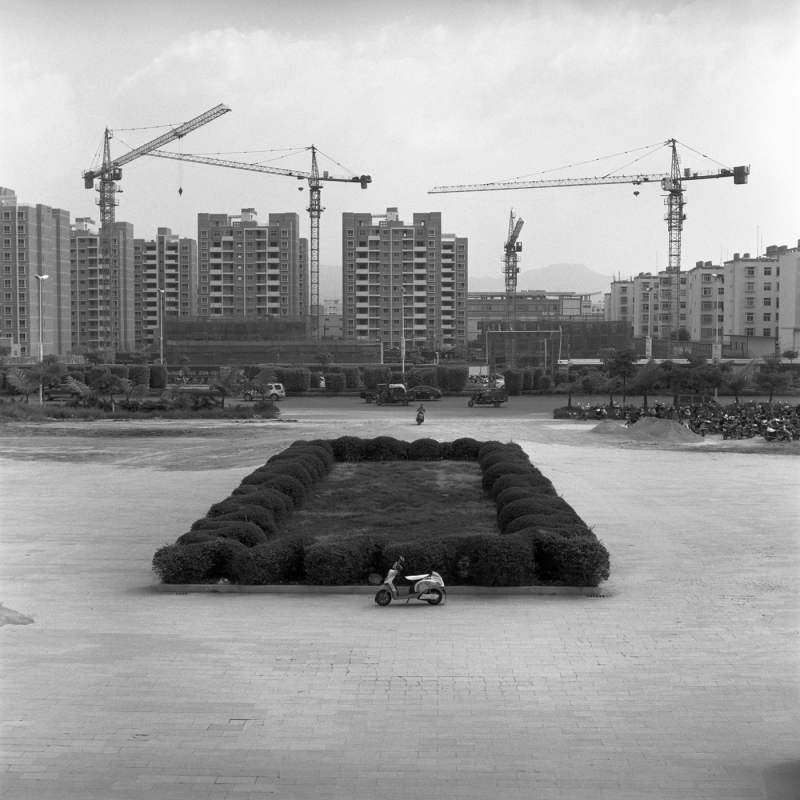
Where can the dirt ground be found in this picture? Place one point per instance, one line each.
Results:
(678, 680)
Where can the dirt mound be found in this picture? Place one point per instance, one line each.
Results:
(650, 429)
(611, 427)
(647, 429)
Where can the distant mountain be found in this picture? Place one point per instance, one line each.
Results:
(554, 278)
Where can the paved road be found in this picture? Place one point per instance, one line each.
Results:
(680, 681)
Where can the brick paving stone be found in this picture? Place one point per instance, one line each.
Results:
(680, 681)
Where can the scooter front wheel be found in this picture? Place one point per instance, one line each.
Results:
(437, 597)
(384, 597)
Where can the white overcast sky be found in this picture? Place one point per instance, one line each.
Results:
(420, 94)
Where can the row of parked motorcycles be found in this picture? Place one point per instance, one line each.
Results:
(775, 430)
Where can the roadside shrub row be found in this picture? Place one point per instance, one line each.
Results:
(540, 538)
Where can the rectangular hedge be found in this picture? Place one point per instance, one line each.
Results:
(540, 538)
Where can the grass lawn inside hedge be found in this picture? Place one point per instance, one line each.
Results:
(400, 499)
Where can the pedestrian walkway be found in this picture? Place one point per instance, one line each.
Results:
(678, 680)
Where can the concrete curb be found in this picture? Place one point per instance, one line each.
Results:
(226, 588)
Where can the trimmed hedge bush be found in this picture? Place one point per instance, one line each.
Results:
(282, 507)
(256, 514)
(139, 374)
(579, 561)
(496, 471)
(537, 483)
(242, 528)
(195, 537)
(513, 381)
(421, 555)
(291, 467)
(560, 521)
(205, 562)
(464, 449)
(352, 377)
(543, 506)
(500, 561)
(375, 374)
(289, 486)
(159, 377)
(513, 493)
(296, 379)
(345, 562)
(275, 562)
(325, 454)
(425, 450)
(385, 448)
(313, 462)
(349, 448)
(335, 382)
(120, 370)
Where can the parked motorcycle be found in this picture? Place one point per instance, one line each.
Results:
(428, 587)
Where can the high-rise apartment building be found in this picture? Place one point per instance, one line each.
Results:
(102, 294)
(787, 303)
(165, 282)
(247, 269)
(35, 244)
(404, 282)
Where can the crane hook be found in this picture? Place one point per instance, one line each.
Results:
(636, 194)
(180, 191)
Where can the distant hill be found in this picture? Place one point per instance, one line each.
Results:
(554, 278)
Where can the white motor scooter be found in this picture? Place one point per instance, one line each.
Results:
(428, 587)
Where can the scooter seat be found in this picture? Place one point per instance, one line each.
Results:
(416, 577)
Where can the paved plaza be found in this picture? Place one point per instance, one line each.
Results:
(679, 679)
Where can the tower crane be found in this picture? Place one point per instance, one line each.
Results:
(671, 183)
(511, 270)
(109, 173)
(314, 209)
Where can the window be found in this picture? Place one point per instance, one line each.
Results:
(749, 302)
(767, 271)
(706, 305)
(706, 278)
(767, 332)
(749, 317)
(706, 291)
(767, 287)
(767, 317)
(623, 290)
(767, 301)
(750, 273)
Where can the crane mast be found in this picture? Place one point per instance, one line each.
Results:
(314, 209)
(108, 174)
(511, 270)
(672, 184)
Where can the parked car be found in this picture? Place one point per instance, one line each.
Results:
(425, 392)
(61, 392)
(271, 391)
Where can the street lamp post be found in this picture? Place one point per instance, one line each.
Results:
(403, 332)
(161, 326)
(39, 279)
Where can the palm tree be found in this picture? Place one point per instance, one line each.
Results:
(225, 382)
(24, 381)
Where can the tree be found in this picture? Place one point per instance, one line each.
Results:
(790, 354)
(647, 378)
(107, 383)
(621, 364)
(226, 382)
(770, 378)
(737, 382)
(24, 381)
(568, 387)
(324, 358)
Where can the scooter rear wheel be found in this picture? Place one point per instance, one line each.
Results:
(437, 597)
(384, 597)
